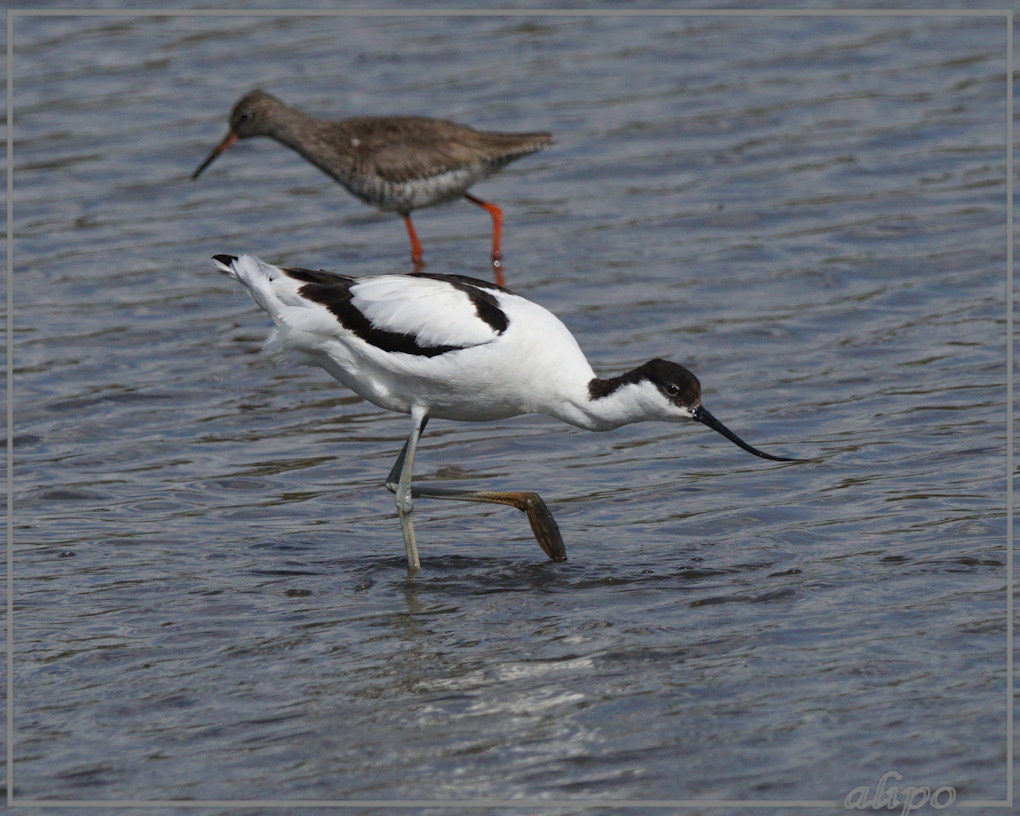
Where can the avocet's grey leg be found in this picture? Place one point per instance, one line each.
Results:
(543, 525)
(399, 483)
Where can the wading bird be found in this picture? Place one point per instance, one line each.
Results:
(395, 163)
(453, 347)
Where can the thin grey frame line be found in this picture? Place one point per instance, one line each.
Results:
(515, 803)
(9, 413)
(1009, 409)
(457, 804)
(454, 12)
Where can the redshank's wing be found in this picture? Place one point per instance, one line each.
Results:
(403, 148)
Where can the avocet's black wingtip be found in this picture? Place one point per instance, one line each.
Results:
(226, 260)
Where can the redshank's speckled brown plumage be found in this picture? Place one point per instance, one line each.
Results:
(394, 163)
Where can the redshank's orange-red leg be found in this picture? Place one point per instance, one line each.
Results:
(415, 243)
(497, 234)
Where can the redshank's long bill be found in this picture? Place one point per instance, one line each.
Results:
(395, 163)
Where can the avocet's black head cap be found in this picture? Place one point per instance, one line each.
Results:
(676, 383)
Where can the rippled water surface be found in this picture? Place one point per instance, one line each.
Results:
(210, 592)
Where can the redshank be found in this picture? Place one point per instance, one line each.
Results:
(395, 163)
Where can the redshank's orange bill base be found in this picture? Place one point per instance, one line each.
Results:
(228, 141)
(394, 163)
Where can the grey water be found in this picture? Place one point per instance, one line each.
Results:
(210, 596)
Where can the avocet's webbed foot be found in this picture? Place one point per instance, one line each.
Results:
(543, 525)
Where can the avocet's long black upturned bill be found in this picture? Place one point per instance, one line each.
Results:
(452, 347)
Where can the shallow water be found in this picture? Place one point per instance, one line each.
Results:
(210, 593)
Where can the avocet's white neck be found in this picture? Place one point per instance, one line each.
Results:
(637, 396)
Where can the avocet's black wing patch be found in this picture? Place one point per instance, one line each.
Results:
(485, 303)
(318, 276)
(420, 315)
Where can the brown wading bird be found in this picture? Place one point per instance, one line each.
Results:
(395, 163)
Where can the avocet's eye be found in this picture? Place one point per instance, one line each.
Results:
(672, 389)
